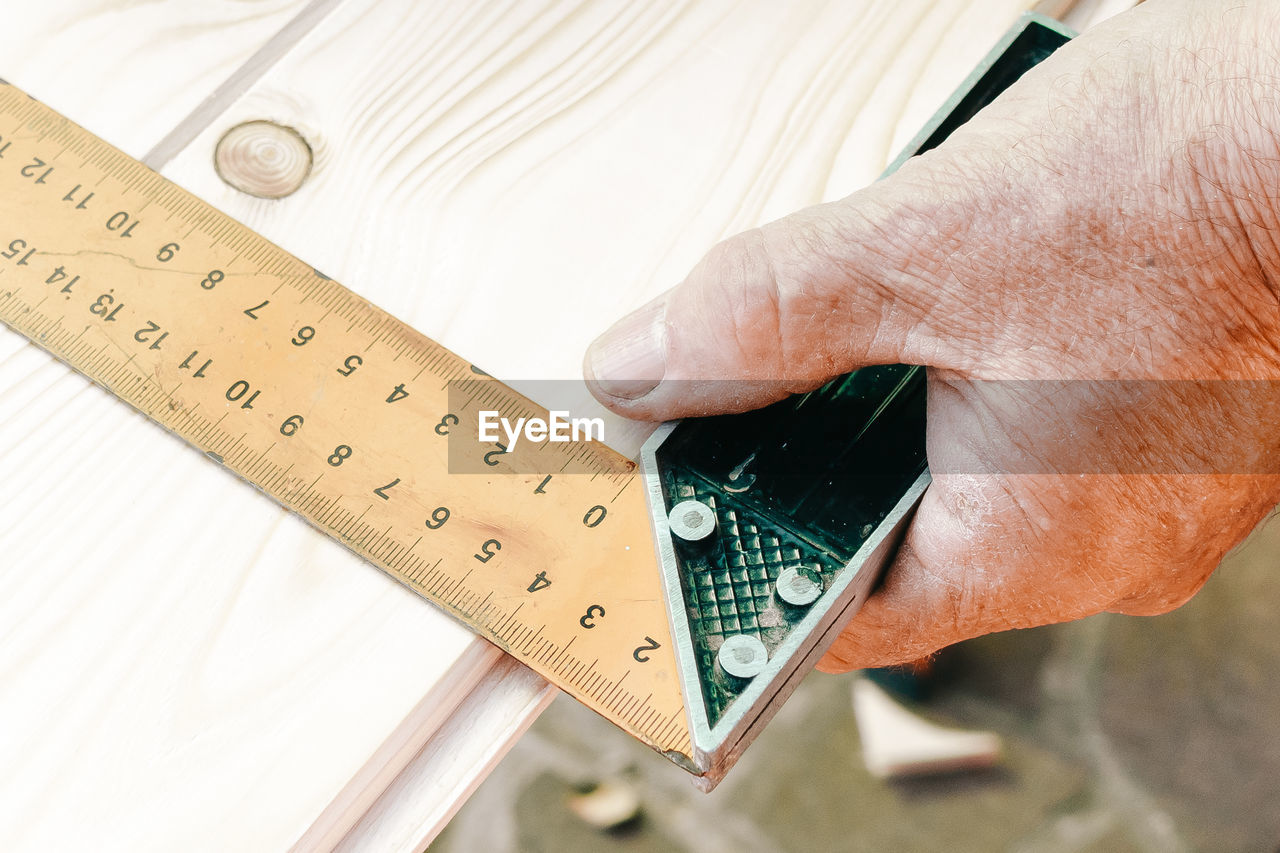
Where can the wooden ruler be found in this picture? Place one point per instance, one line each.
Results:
(340, 412)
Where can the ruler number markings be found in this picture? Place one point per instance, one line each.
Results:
(174, 351)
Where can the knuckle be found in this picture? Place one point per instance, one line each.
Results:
(739, 290)
(1154, 603)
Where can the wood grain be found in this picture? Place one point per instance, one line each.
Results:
(547, 167)
(163, 687)
(510, 177)
(435, 784)
(1086, 13)
(548, 172)
(131, 71)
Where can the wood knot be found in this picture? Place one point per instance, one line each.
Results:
(263, 159)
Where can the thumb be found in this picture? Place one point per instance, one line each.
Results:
(782, 308)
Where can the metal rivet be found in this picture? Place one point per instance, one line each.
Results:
(795, 587)
(743, 656)
(691, 521)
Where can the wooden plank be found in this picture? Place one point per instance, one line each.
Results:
(506, 177)
(933, 52)
(1087, 13)
(547, 167)
(136, 717)
(436, 783)
(509, 178)
(130, 72)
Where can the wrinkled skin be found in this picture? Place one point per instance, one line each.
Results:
(1112, 216)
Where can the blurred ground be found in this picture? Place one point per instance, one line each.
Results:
(1121, 734)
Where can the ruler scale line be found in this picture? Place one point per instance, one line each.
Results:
(312, 420)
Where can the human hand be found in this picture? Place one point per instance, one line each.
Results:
(1091, 272)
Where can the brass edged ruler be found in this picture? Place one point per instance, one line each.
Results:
(340, 412)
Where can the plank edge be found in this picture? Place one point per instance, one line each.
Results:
(453, 764)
